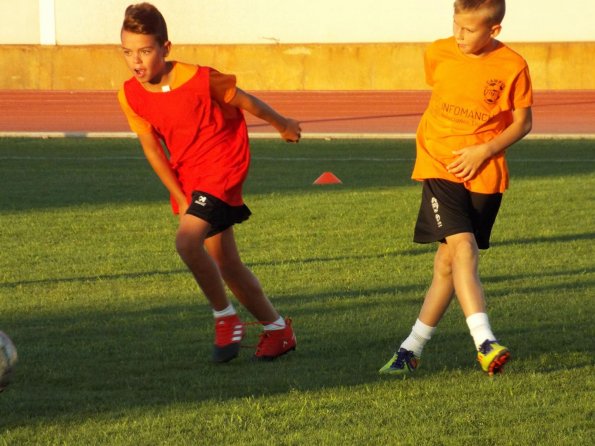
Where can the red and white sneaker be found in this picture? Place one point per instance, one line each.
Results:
(229, 332)
(274, 343)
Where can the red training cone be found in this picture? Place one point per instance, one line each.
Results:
(327, 178)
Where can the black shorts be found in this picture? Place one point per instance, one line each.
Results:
(217, 212)
(448, 208)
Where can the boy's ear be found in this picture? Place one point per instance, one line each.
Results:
(166, 48)
(495, 30)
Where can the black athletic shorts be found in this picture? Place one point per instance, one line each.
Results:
(217, 212)
(448, 208)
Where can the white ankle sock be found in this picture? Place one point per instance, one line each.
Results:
(279, 324)
(480, 328)
(229, 311)
(420, 335)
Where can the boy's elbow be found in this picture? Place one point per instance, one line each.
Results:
(246, 101)
(528, 127)
(527, 121)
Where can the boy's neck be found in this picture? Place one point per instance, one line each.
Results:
(490, 47)
(162, 82)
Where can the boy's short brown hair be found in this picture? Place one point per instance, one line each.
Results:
(495, 8)
(144, 18)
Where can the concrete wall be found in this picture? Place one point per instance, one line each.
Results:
(556, 66)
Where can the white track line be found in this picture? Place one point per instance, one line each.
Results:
(263, 135)
(278, 159)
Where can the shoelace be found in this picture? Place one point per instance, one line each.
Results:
(260, 336)
(402, 358)
(486, 347)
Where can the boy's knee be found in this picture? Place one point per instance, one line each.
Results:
(465, 250)
(443, 265)
(185, 243)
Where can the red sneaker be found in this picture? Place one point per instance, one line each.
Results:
(229, 331)
(274, 343)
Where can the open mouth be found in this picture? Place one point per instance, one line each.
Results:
(139, 72)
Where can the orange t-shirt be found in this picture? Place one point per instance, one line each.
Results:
(472, 102)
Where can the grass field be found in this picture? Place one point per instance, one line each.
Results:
(114, 338)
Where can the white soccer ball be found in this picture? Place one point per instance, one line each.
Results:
(8, 359)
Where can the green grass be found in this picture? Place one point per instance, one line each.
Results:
(114, 338)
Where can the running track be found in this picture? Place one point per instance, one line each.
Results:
(322, 114)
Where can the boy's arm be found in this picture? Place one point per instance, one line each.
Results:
(288, 128)
(156, 157)
(470, 159)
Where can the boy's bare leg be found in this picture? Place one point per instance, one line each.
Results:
(465, 260)
(277, 337)
(240, 280)
(190, 239)
(436, 301)
(440, 293)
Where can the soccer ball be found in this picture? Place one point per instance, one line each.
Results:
(8, 358)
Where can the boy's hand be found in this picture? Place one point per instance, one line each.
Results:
(469, 161)
(288, 128)
(292, 131)
(182, 207)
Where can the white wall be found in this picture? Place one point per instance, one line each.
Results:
(293, 21)
(20, 21)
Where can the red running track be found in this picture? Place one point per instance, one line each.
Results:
(353, 113)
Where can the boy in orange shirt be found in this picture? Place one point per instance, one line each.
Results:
(196, 112)
(480, 105)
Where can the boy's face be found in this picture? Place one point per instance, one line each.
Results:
(473, 32)
(144, 56)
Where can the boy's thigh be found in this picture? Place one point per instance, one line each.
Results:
(216, 212)
(447, 208)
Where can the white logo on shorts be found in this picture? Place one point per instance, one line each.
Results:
(435, 208)
(202, 201)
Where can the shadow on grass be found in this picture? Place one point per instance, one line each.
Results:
(78, 364)
(42, 174)
(543, 274)
(95, 278)
(453, 351)
(84, 363)
(141, 274)
(547, 239)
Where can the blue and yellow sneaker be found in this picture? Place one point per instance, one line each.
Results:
(492, 357)
(404, 362)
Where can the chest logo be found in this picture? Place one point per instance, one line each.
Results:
(493, 90)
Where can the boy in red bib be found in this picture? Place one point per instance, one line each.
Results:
(197, 113)
(480, 105)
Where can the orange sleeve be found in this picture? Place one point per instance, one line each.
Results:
(523, 92)
(137, 124)
(182, 73)
(429, 68)
(223, 86)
